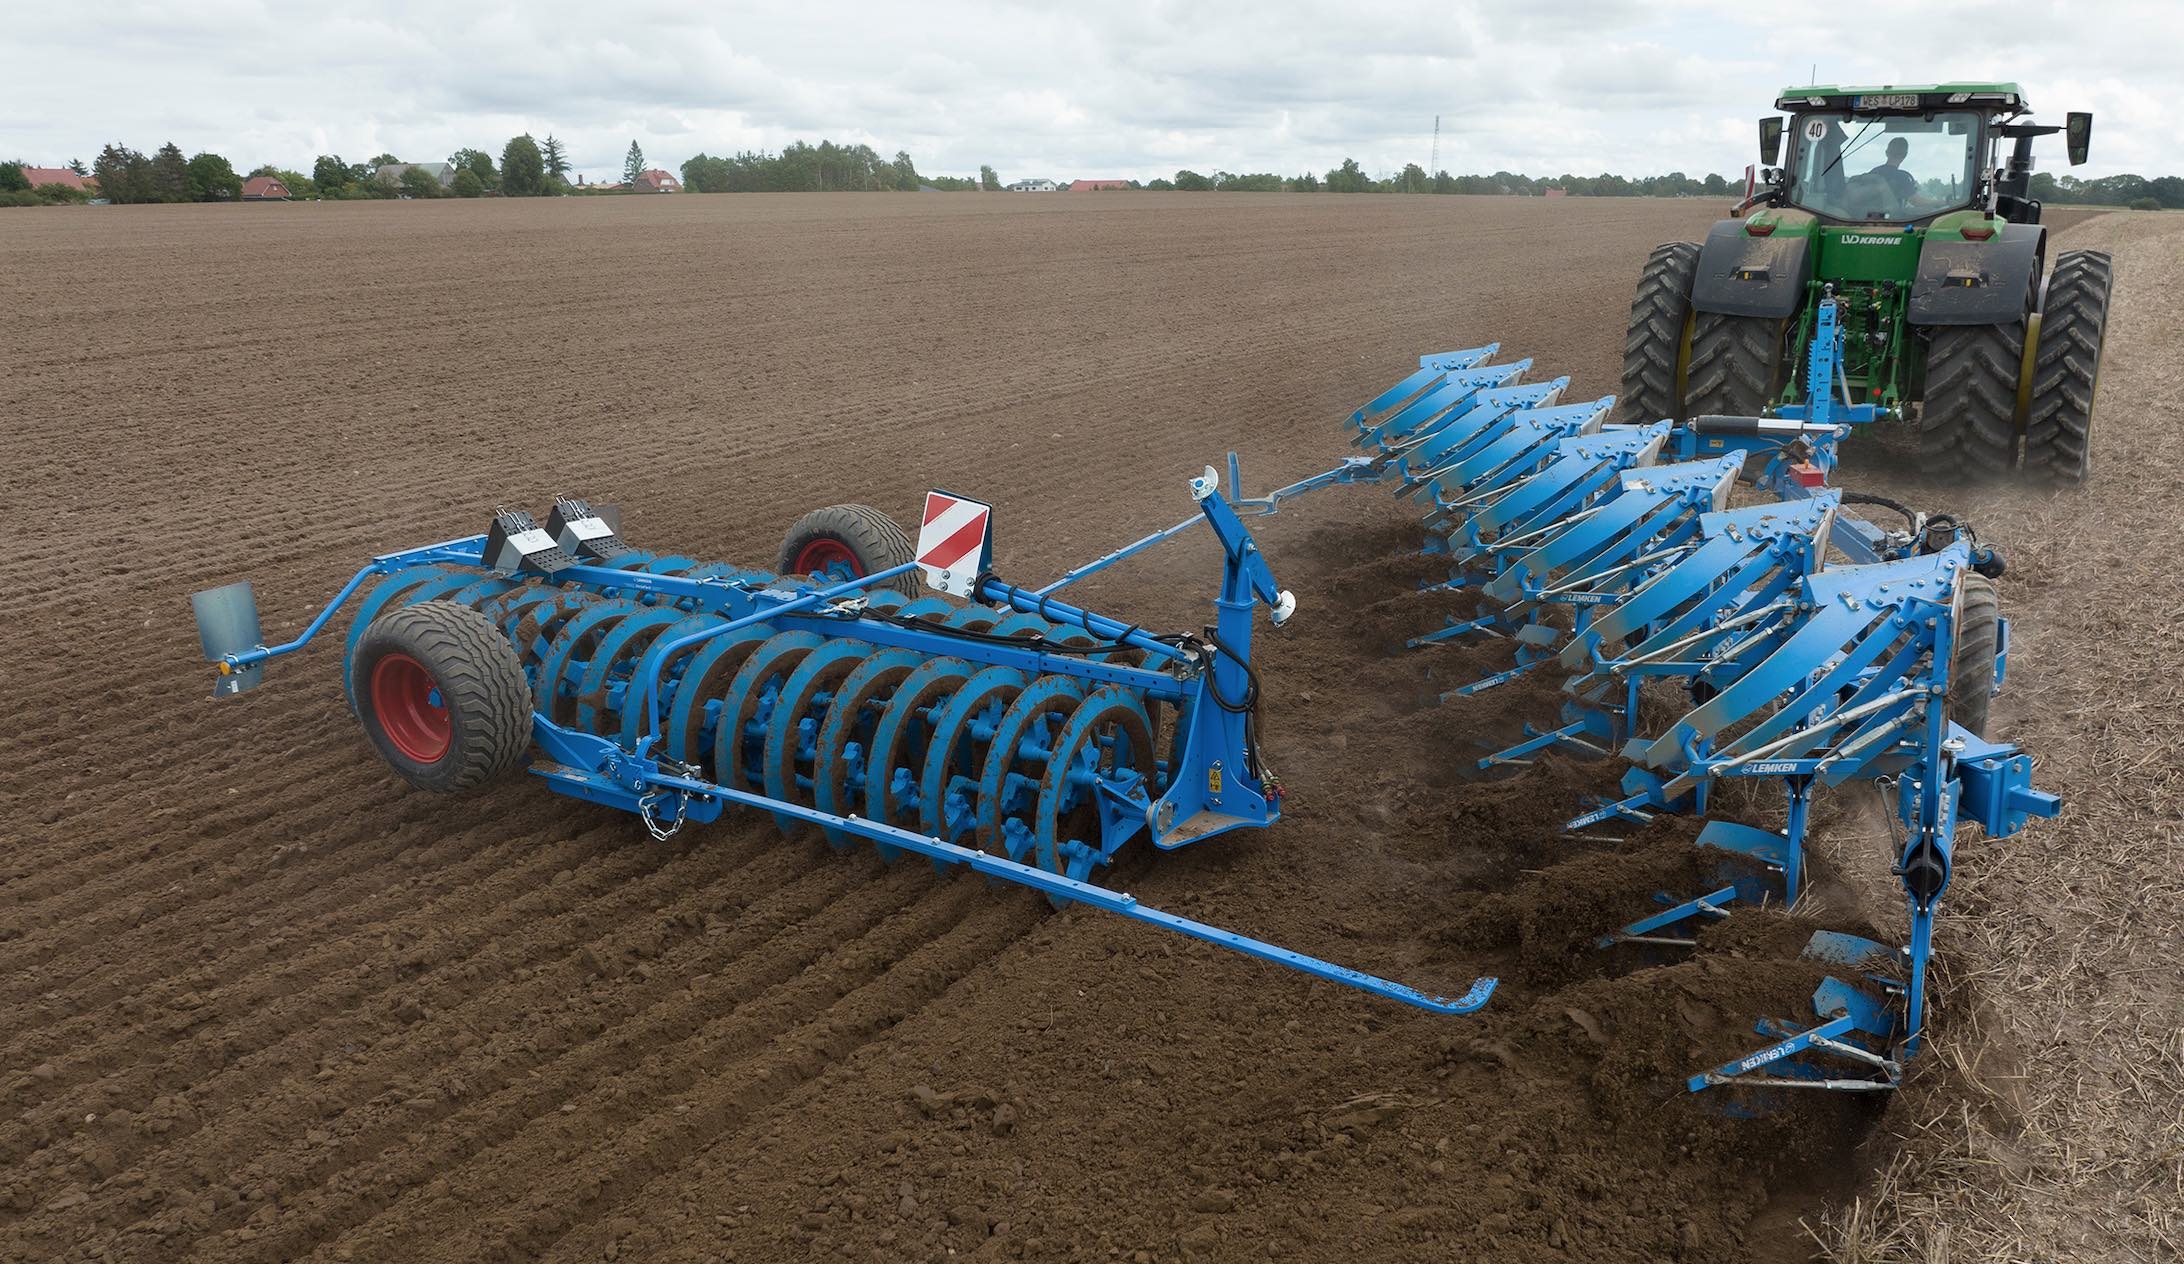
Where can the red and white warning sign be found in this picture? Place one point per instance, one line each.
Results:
(955, 543)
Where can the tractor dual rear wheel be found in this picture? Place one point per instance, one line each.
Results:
(1968, 411)
(2066, 368)
(442, 696)
(1659, 338)
(1735, 367)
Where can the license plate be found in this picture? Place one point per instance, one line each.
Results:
(1886, 101)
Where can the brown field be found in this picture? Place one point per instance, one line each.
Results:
(262, 1003)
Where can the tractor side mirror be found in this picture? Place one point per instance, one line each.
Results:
(2078, 135)
(1770, 140)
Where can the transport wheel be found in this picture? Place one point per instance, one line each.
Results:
(2066, 367)
(442, 696)
(396, 590)
(1971, 670)
(1735, 367)
(1659, 340)
(842, 542)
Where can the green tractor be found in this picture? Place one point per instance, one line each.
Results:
(1893, 201)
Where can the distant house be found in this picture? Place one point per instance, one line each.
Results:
(656, 181)
(1092, 186)
(1035, 186)
(391, 174)
(265, 189)
(1556, 191)
(55, 175)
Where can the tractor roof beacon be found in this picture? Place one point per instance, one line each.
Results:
(1901, 203)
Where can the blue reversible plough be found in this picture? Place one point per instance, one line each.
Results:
(1000, 729)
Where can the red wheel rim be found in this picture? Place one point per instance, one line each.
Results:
(823, 555)
(406, 702)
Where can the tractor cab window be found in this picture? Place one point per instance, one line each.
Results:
(1886, 168)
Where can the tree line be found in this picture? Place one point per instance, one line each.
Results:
(2134, 191)
(1350, 177)
(2120, 190)
(528, 167)
(822, 168)
(2138, 192)
(830, 168)
(124, 175)
(531, 168)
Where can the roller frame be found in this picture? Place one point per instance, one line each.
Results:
(1207, 789)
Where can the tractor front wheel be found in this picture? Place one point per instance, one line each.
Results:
(843, 542)
(2066, 367)
(1968, 411)
(441, 694)
(1736, 365)
(1659, 338)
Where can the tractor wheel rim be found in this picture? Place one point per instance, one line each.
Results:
(828, 557)
(406, 701)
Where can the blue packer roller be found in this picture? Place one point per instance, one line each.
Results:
(1015, 735)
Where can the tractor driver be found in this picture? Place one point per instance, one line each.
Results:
(1900, 183)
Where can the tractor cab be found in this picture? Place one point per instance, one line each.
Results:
(1884, 168)
(1905, 155)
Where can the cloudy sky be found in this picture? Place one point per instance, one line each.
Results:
(1125, 88)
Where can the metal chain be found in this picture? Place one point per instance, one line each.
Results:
(661, 833)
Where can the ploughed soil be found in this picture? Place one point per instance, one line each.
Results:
(262, 1002)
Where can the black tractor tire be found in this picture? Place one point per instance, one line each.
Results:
(1971, 669)
(2066, 368)
(481, 723)
(871, 539)
(1968, 411)
(1736, 365)
(1659, 336)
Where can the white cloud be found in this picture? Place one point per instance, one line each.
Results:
(1128, 88)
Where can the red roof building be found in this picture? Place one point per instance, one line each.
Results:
(1091, 186)
(55, 175)
(264, 189)
(656, 181)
